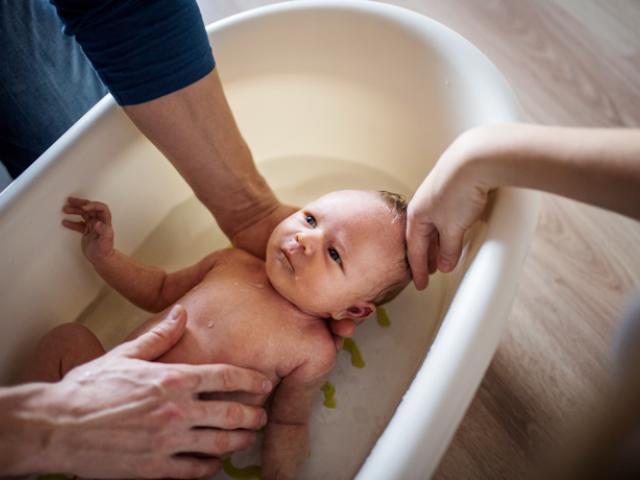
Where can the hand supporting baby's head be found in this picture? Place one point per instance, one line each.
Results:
(342, 254)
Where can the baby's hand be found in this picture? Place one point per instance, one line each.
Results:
(342, 329)
(97, 234)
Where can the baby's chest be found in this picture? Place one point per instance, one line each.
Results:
(240, 320)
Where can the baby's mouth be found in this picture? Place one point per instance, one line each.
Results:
(287, 260)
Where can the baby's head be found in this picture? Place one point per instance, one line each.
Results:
(342, 254)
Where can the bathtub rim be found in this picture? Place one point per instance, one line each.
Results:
(20, 187)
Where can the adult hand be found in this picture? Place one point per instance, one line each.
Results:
(123, 416)
(448, 202)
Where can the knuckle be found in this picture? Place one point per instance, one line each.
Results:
(221, 442)
(234, 415)
(227, 378)
(171, 379)
(168, 413)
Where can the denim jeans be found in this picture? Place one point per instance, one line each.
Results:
(46, 82)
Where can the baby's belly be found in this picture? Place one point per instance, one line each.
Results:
(231, 321)
(237, 344)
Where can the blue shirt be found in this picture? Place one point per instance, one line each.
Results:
(141, 49)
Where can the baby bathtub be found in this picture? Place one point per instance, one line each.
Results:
(329, 95)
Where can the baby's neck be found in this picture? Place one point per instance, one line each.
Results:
(295, 308)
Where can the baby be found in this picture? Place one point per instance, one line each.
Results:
(338, 258)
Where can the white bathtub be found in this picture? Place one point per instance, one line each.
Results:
(328, 95)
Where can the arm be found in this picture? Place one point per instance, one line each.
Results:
(597, 166)
(156, 61)
(286, 443)
(121, 417)
(195, 129)
(147, 287)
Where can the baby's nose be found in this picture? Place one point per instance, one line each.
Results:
(308, 241)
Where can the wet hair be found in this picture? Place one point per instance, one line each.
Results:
(397, 205)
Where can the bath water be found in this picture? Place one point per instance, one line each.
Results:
(342, 437)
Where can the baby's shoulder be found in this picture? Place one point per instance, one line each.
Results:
(235, 253)
(319, 346)
(238, 255)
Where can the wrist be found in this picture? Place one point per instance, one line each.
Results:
(103, 260)
(27, 422)
(488, 154)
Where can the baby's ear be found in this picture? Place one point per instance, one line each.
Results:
(357, 311)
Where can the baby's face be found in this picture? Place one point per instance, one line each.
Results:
(337, 251)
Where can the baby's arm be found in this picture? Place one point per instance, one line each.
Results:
(286, 443)
(148, 287)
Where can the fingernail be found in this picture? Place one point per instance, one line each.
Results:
(174, 314)
(445, 265)
(266, 386)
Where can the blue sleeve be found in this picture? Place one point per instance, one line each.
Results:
(141, 49)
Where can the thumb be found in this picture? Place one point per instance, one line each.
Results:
(418, 243)
(450, 249)
(164, 335)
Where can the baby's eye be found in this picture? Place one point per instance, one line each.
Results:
(310, 219)
(335, 256)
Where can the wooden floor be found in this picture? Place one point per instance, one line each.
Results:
(571, 62)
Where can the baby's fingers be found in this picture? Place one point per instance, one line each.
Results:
(74, 206)
(76, 202)
(72, 210)
(99, 209)
(103, 230)
(77, 226)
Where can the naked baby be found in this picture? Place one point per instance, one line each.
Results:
(338, 257)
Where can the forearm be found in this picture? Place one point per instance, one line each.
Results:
(25, 430)
(148, 287)
(286, 446)
(195, 129)
(596, 166)
(140, 284)
(174, 96)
